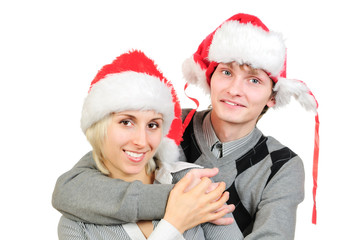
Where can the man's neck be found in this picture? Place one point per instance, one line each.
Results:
(227, 132)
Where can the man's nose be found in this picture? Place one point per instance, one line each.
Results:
(236, 87)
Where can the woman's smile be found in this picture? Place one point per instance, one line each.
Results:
(134, 156)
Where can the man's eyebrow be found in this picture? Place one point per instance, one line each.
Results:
(227, 64)
(250, 70)
(253, 71)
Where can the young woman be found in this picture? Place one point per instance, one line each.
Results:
(131, 117)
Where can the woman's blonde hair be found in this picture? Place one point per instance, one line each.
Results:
(96, 135)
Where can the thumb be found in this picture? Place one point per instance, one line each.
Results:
(183, 183)
(198, 173)
(207, 172)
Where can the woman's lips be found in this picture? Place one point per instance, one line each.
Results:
(135, 156)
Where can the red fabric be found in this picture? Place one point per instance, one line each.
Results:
(201, 56)
(176, 129)
(137, 61)
(192, 112)
(246, 18)
(315, 168)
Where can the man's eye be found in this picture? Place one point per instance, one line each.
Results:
(254, 80)
(226, 72)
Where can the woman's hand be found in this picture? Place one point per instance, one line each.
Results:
(196, 175)
(195, 200)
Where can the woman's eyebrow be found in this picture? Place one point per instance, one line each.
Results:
(159, 118)
(124, 115)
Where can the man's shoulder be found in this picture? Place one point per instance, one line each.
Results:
(186, 111)
(276, 146)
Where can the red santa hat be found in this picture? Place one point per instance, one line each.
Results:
(133, 82)
(245, 39)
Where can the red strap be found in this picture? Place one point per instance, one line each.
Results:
(315, 168)
(192, 112)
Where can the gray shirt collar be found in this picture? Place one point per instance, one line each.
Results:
(227, 147)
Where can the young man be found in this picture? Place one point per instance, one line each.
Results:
(242, 65)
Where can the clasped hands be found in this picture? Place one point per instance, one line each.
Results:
(195, 199)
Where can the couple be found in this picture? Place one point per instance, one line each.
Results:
(242, 65)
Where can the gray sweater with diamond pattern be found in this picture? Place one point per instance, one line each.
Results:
(265, 180)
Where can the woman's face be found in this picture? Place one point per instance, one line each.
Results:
(132, 140)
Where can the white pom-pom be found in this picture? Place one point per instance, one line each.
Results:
(167, 151)
(286, 88)
(195, 75)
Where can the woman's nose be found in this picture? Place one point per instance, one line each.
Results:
(139, 137)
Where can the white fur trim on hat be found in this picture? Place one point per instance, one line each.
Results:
(194, 74)
(167, 151)
(248, 44)
(286, 88)
(127, 91)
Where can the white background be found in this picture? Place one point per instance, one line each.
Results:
(51, 50)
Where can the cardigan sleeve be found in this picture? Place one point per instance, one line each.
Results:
(165, 231)
(70, 230)
(85, 194)
(275, 217)
(215, 232)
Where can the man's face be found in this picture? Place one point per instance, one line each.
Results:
(239, 94)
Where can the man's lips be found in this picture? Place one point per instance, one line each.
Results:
(232, 103)
(134, 156)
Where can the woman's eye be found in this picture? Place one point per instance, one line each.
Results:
(126, 122)
(226, 72)
(153, 125)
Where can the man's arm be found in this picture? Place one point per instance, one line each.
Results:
(276, 213)
(85, 194)
(214, 232)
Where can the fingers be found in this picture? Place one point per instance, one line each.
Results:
(217, 217)
(202, 186)
(204, 203)
(197, 174)
(215, 199)
(212, 187)
(183, 184)
(223, 221)
(220, 202)
(229, 207)
(218, 191)
(221, 210)
(204, 172)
